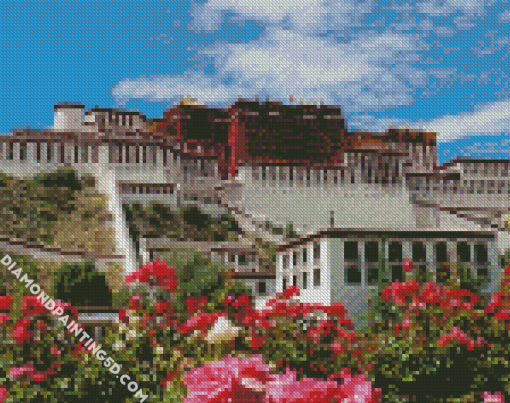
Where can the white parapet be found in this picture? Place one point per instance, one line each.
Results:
(68, 117)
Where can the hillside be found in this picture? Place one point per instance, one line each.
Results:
(55, 210)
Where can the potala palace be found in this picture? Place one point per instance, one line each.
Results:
(354, 197)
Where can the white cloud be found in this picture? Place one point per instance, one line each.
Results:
(492, 119)
(365, 71)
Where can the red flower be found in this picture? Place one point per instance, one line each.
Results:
(4, 319)
(407, 265)
(194, 305)
(123, 317)
(5, 303)
(32, 306)
(21, 332)
(456, 334)
(156, 274)
(169, 377)
(135, 303)
(201, 321)
(3, 395)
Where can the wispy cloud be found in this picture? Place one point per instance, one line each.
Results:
(491, 119)
(367, 57)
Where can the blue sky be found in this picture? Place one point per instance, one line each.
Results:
(440, 65)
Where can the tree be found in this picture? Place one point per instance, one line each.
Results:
(81, 285)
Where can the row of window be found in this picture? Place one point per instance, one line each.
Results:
(304, 284)
(119, 119)
(395, 252)
(468, 187)
(88, 154)
(54, 153)
(325, 176)
(495, 170)
(303, 256)
(126, 189)
(123, 154)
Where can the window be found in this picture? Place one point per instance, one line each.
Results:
(482, 260)
(262, 287)
(284, 283)
(120, 153)
(395, 252)
(304, 255)
(85, 154)
(397, 274)
(49, 152)
(372, 252)
(317, 278)
(351, 251)
(294, 259)
(76, 154)
(38, 152)
(463, 252)
(419, 252)
(481, 255)
(440, 252)
(353, 274)
(316, 251)
(305, 280)
(242, 260)
(23, 151)
(294, 281)
(10, 155)
(285, 261)
(372, 275)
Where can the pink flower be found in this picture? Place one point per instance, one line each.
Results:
(234, 380)
(18, 372)
(249, 380)
(286, 389)
(497, 397)
(359, 390)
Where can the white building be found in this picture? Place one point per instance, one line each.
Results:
(370, 188)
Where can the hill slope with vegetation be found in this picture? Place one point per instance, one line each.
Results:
(56, 210)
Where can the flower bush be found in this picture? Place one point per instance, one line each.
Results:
(249, 379)
(170, 342)
(38, 353)
(435, 335)
(294, 335)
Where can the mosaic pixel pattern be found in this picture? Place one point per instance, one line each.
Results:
(255, 202)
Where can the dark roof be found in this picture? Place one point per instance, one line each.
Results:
(69, 106)
(422, 233)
